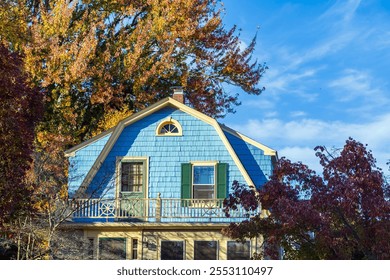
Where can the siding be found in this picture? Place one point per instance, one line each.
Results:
(258, 165)
(81, 163)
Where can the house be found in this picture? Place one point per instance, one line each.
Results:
(153, 186)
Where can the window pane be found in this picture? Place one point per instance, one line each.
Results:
(203, 192)
(132, 177)
(205, 250)
(238, 250)
(172, 250)
(204, 175)
(112, 249)
(169, 128)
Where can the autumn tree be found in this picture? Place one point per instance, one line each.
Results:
(95, 57)
(20, 109)
(97, 61)
(343, 214)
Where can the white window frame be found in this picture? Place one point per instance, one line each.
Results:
(120, 160)
(204, 163)
(169, 121)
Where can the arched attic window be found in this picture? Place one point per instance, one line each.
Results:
(169, 127)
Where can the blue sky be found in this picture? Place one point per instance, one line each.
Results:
(328, 77)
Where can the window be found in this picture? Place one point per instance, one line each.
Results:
(205, 250)
(238, 250)
(112, 248)
(132, 178)
(203, 182)
(169, 127)
(172, 250)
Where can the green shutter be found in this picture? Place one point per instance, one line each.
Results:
(186, 180)
(221, 180)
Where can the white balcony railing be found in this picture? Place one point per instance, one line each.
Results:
(156, 209)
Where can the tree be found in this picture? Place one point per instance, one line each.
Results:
(96, 61)
(343, 214)
(20, 109)
(95, 57)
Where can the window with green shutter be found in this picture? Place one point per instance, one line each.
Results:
(203, 181)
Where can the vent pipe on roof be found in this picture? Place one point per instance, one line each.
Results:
(178, 94)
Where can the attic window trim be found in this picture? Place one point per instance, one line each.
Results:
(172, 125)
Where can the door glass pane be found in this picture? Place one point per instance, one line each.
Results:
(112, 248)
(172, 250)
(238, 250)
(205, 250)
(132, 176)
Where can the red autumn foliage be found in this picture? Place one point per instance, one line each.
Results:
(343, 214)
(20, 108)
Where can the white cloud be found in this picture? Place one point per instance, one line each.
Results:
(305, 155)
(298, 138)
(281, 80)
(356, 84)
(363, 90)
(343, 10)
(261, 103)
(271, 114)
(297, 114)
(383, 40)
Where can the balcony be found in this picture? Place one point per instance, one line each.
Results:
(169, 210)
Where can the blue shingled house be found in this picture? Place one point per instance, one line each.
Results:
(153, 186)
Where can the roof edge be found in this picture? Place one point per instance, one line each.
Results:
(71, 151)
(267, 150)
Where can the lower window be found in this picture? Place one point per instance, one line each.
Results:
(205, 250)
(172, 250)
(238, 250)
(112, 248)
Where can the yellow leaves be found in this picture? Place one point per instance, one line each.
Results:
(13, 26)
(62, 45)
(111, 119)
(56, 21)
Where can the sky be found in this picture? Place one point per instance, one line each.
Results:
(328, 76)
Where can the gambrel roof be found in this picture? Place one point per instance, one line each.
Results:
(225, 133)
